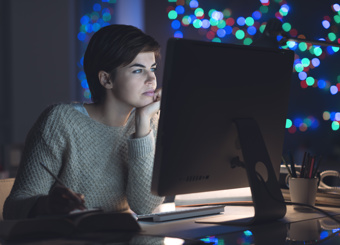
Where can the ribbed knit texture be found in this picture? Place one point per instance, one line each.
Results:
(112, 169)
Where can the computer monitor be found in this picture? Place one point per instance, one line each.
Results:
(223, 108)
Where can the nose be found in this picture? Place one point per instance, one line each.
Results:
(151, 78)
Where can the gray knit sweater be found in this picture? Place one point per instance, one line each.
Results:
(112, 169)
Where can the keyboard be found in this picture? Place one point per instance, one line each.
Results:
(181, 213)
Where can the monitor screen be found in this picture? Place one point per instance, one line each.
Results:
(206, 87)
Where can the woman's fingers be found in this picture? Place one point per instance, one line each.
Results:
(64, 200)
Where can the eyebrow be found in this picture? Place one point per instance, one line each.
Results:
(140, 65)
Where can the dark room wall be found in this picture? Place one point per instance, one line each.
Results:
(41, 64)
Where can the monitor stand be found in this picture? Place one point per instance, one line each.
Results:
(267, 197)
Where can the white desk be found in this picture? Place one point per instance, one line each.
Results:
(297, 226)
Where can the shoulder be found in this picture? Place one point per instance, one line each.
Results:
(57, 115)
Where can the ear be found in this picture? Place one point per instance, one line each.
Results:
(104, 79)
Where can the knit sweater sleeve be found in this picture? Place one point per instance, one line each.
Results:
(31, 180)
(141, 153)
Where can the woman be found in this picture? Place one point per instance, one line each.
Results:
(103, 150)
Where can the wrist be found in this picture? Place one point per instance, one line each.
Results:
(142, 126)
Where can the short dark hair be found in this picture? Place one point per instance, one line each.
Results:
(111, 47)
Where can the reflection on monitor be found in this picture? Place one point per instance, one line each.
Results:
(223, 108)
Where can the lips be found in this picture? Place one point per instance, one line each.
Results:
(150, 93)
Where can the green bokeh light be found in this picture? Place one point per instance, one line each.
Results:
(211, 11)
(247, 41)
(186, 20)
(303, 46)
(331, 36)
(239, 34)
(197, 23)
(216, 40)
(337, 19)
(199, 12)
(335, 126)
(335, 49)
(305, 62)
(250, 21)
(213, 22)
(317, 51)
(264, 9)
(226, 13)
(262, 27)
(286, 27)
(221, 24)
(172, 14)
(289, 123)
(310, 81)
(299, 67)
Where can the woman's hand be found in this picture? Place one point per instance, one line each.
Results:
(144, 114)
(60, 200)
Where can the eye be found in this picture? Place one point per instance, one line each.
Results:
(153, 69)
(137, 71)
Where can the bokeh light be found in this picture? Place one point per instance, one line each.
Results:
(229, 26)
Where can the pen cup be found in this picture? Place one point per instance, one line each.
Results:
(303, 190)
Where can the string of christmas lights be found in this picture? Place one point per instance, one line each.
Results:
(223, 26)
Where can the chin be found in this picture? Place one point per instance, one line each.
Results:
(144, 103)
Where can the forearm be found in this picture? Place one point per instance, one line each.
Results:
(142, 125)
(141, 157)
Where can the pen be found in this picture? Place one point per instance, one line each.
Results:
(317, 164)
(292, 164)
(288, 169)
(63, 185)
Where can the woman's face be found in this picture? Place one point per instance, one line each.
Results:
(134, 84)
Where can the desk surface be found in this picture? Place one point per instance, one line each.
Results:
(296, 227)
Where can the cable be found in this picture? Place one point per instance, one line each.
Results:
(295, 203)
